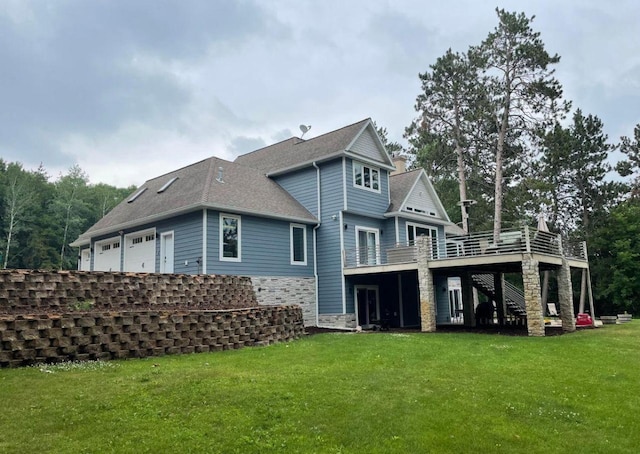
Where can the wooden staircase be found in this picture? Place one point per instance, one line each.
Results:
(514, 297)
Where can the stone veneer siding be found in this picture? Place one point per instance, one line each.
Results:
(338, 321)
(532, 297)
(273, 290)
(31, 339)
(425, 282)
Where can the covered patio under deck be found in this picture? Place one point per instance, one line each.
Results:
(480, 263)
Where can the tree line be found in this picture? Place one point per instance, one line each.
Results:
(41, 217)
(502, 146)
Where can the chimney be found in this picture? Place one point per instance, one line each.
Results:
(401, 164)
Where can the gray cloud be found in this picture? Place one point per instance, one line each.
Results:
(90, 67)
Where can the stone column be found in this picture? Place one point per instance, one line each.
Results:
(532, 298)
(425, 282)
(565, 297)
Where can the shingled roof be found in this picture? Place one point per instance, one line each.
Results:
(296, 152)
(399, 187)
(241, 189)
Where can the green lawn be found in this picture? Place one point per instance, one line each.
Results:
(412, 393)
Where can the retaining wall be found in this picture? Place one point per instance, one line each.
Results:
(36, 291)
(50, 316)
(30, 339)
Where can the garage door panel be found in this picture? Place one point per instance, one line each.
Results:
(140, 254)
(107, 255)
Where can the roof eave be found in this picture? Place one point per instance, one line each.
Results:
(86, 238)
(304, 164)
(418, 217)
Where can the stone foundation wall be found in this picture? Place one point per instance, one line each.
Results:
(270, 290)
(30, 339)
(33, 291)
(338, 321)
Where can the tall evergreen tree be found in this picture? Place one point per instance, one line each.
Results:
(631, 166)
(523, 95)
(448, 109)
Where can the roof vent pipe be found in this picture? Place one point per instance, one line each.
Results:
(220, 174)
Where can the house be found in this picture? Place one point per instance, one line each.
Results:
(291, 215)
(331, 223)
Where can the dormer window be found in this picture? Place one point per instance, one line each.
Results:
(366, 177)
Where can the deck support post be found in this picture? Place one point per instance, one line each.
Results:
(498, 285)
(565, 298)
(426, 285)
(468, 304)
(532, 297)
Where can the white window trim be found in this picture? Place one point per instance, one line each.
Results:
(304, 244)
(371, 168)
(163, 251)
(424, 226)
(377, 251)
(221, 240)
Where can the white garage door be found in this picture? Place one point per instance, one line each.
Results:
(106, 255)
(140, 252)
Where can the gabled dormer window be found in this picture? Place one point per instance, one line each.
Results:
(366, 177)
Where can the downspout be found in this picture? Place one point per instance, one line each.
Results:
(315, 229)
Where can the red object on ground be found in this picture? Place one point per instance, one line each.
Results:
(584, 320)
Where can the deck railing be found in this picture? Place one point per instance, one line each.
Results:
(519, 240)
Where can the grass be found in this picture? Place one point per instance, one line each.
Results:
(341, 393)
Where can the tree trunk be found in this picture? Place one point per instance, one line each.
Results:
(462, 183)
(497, 217)
(462, 179)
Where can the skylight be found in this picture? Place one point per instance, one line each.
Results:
(167, 184)
(136, 195)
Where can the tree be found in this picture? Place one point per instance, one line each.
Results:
(447, 109)
(70, 208)
(631, 166)
(573, 166)
(523, 96)
(615, 262)
(393, 148)
(18, 198)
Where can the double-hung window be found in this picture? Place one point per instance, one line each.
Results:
(298, 244)
(230, 238)
(366, 177)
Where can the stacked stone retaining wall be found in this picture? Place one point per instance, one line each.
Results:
(35, 291)
(49, 316)
(30, 339)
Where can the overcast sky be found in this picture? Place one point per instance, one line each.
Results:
(130, 90)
